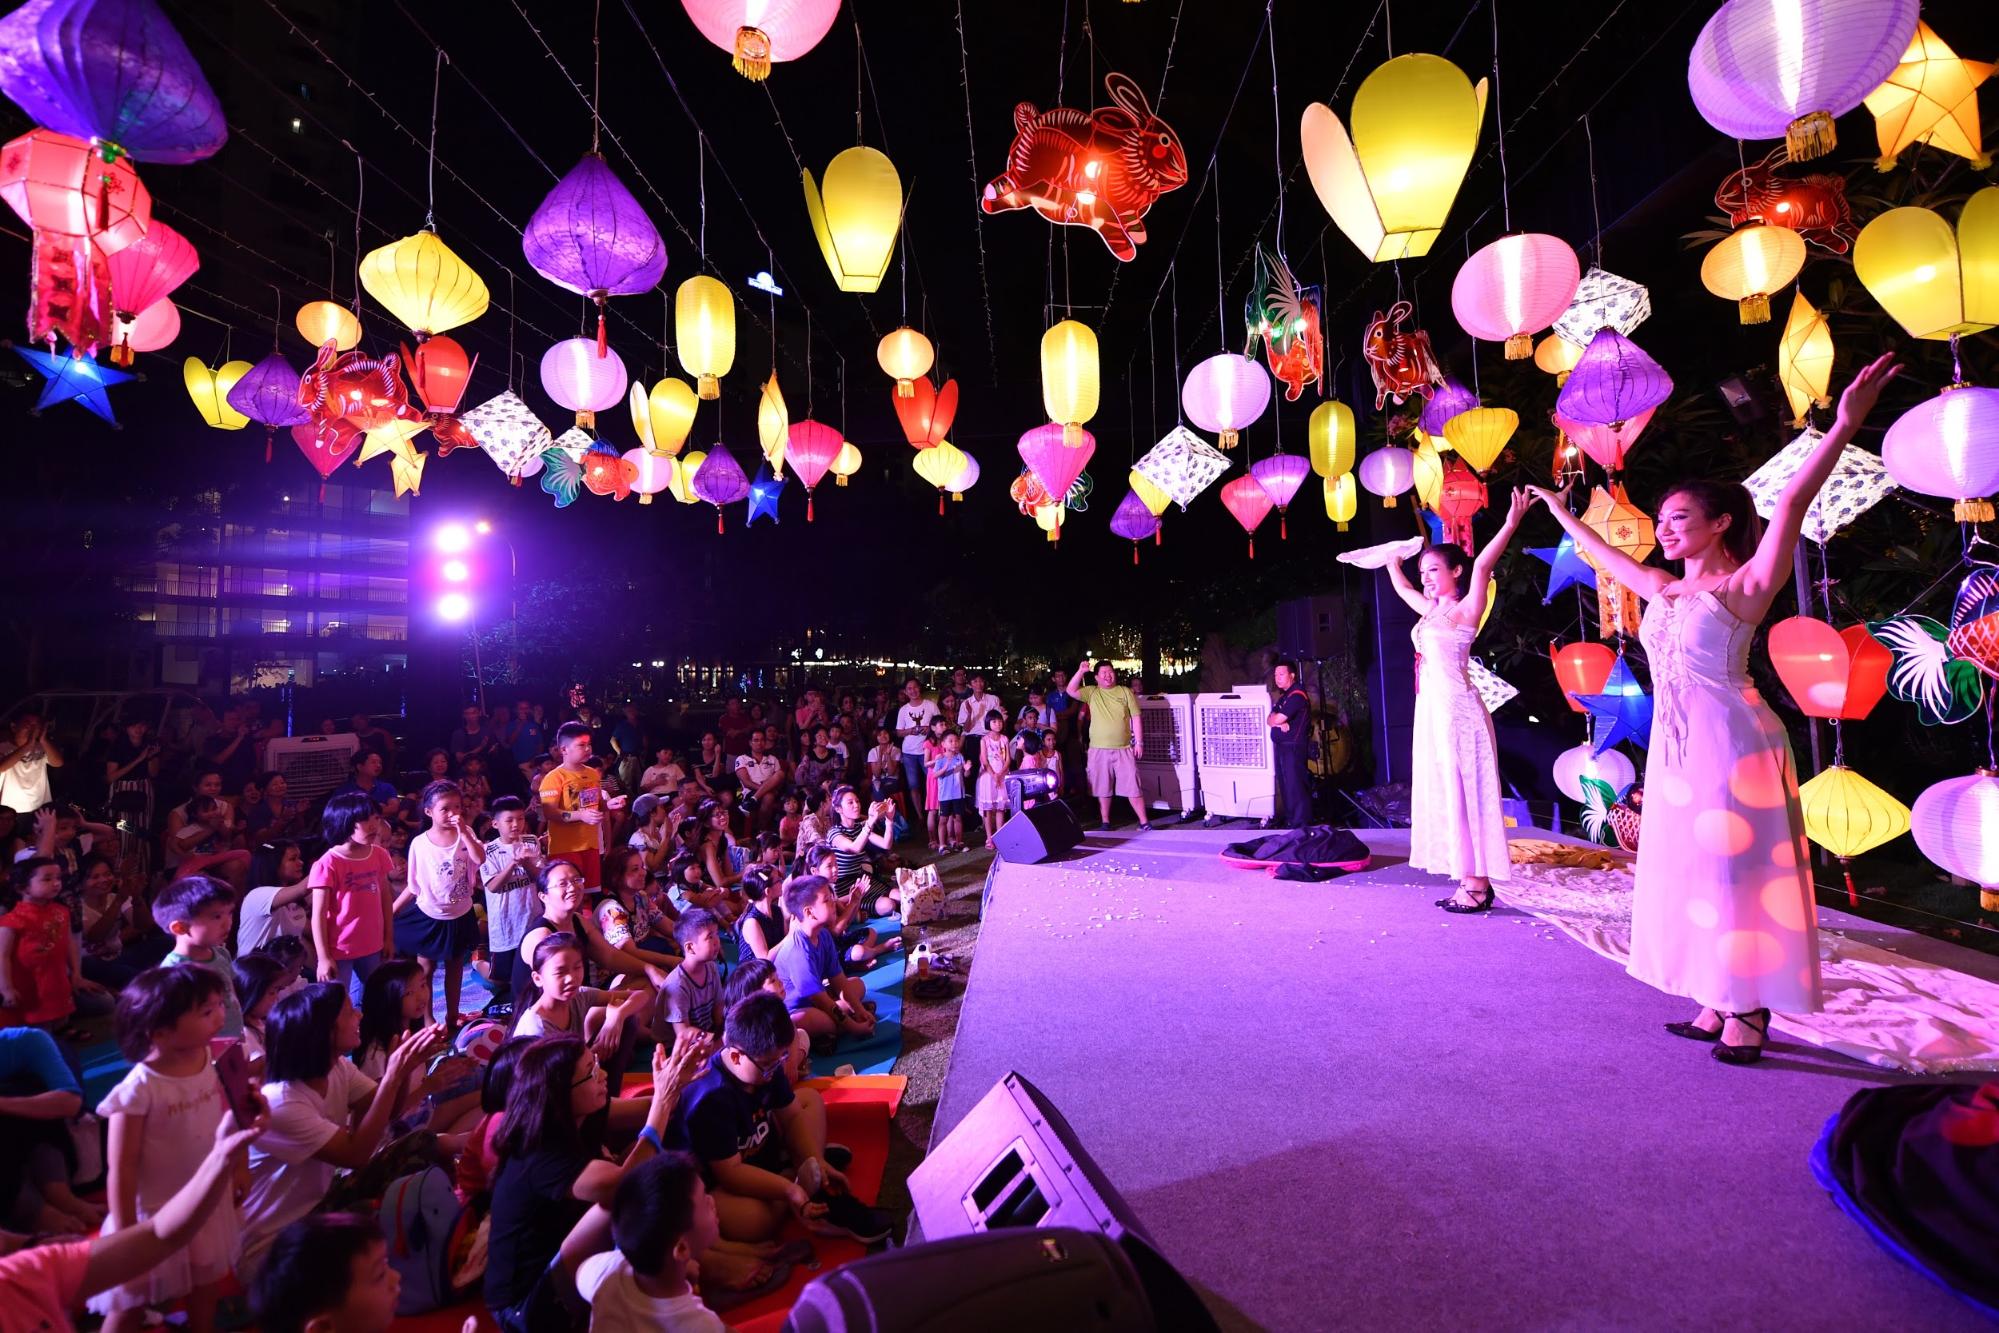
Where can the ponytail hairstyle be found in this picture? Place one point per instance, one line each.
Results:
(1725, 499)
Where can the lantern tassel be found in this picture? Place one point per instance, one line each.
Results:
(1388, 502)
(1134, 555)
(515, 480)
(839, 479)
(1852, 894)
(1072, 435)
(1519, 346)
(1227, 440)
(707, 387)
(645, 499)
(1340, 526)
(1159, 535)
(940, 504)
(267, 443)
(905, 388)
(603, 339)
(808, 506)
(752, 53)
(1973, 511)
(718, 520)
(1811, 135)
(121, 355)
(1283, 532)
(1754, 309)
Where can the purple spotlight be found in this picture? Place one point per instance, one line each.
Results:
(454, 606)
(456, 571)
(453, 538)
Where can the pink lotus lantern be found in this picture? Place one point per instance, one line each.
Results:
(720, 480)
(1250, 503)
(591, 235)
(1224, 394)
(1606, 444)
(1054, 464)
(142, 274)
(1281, 475)
(1444, 404)
(268, 392)
(154, 327)
(1134, 522)
(760, 33)
(1513, 288)
(579, 379)
(1613, 383)
(810, 448)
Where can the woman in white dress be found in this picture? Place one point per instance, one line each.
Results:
(1456, 826)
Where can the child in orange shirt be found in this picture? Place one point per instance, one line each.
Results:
(41, 965)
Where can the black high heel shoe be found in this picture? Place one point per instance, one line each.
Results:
(1693, 1031)
(1484, 904)
(1731, 1054)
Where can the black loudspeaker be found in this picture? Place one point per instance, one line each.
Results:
(1014, 1162)
(997, 1282)
(1037, 833)
(1313, 628)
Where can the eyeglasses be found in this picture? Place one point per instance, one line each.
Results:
(776, 1063)
(596, 1072)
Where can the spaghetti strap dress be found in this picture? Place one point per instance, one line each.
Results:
(1456, 826)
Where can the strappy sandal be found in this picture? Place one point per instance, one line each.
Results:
(1693, 1031)
(1748, 1054)
(1484, 904)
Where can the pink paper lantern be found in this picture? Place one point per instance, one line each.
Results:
(1250, 503)
(810, 448)
(1387, 473)
(760, 33)
(155, 327)
(1055, 464)
(1225, 394)
(1606, 444)
(1614, 382)
(1513, 288)
(582, 381)
(1281, 475)
(143, 273)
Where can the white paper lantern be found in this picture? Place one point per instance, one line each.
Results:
(1387, 473)
(1956, 824)
(1859, 481)
(1612, 767)
(1182, 465)
(1949, 447)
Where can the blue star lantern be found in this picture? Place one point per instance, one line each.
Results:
(1565, 567)
(1623, 705)
(75, 379)
(764, 491)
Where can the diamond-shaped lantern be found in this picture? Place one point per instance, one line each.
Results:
(1859, 481)
(1623, 527)
(1182, 465)
(1604, 301)
(510, 433)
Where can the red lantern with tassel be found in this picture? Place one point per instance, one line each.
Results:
(809, 449)
(1250, 503)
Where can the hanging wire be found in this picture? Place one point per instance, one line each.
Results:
(857, 77)
(513, 320)
(360, 191)
(1173, 275)
(1499, 124)
(978, 194)
(436, 92)
(332, 261)
(1152, 362)
(1388, 14)
(1596, 214)
(1276, 121)
(596, 75)
(701, 178)
(277, 315)
(1221, 295)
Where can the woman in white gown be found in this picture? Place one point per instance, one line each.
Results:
(1723, 912)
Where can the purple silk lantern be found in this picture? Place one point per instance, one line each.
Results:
(1444, 404)
(1281, 475)
(268, 392)
(1614, 382)
(720, 480)
(113, 70)
(1134, 522)
(1053, 463)
(591, 236)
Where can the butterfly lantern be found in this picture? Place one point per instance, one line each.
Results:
(1402, 363)
(352, 393)
(1813, 206)
(1286, 316)
(1099, 169)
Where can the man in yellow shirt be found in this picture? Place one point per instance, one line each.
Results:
(573, 805)
(1115, 744)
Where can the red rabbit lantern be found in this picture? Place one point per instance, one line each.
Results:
(1250, 503)
(927, 413)
(1402, 363)
(1814, 206)
(354, 389)
(1831, 673)
(1581, 668)
(1099, 169)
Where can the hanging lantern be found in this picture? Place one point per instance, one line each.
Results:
(406, 474)
(1027, 492)
(761, 33)
(681, 483)
(1250, 503)
(1049, 518)
(1450, 399)
(1281, 475)
(1480, 435)
(927, 413)
(1054, 462)
(1180, 466)
(1956, 824)
(766, 491)
(704, 328)
(905, 356)
(1603, 300)
(423, 284)
(1558, 356)
(1390, 185)
(939, 465)
(155, 327)
(1581, 668)
(1225, 394)
(1400, 364)
(1831, 673)
(1608, 445)
(268, 394)
(720, 480)
(1285, 315)
(964, 479)
(210, 391)
(810, 448)
(1858, 483)
(1614, 382)
(592, 236)
(605, 472)
(441, 371)
(1623, 527)
(664, 417)
(1133, 521)
(773, 423)
(1612, 768)
(323, 322)
(1931, 97)
(1513, 288)
(144, 272)
(510, 433)
(1459, 500)
(1762, 69)
(856, 217)
(575, 376)
(1329, 437)
(1387, 473)
(1848, 815)
(1750, 263)
(114, 71)
(1151, 496)
(1069, 377)
(1935, 282)
(1949, 447)
(1804, 358)
(63, 186)
(1426, 470)
(845, 463)
(649, 472)
(1341, 500)
(325, 457)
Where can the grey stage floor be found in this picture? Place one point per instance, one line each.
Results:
(1335, 1107)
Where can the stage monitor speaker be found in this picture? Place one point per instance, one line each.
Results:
(1014, 1162)
(1313, 628)
(1037, 833)
(998, 1282)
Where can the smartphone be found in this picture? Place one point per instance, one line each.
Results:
(232, 1067)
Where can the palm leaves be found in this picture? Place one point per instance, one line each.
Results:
(1943, 690)
(561, 475)
(1598, 797)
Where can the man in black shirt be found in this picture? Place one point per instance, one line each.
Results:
(1290, 739)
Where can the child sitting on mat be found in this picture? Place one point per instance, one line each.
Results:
(821, 997)
(662, 1220)
(757, 974)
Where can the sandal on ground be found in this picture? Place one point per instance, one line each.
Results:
(1748, 1054)
(1484, 904)
(1693, 1031)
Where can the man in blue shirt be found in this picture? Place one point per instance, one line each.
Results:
(366, 767)
(524, 736)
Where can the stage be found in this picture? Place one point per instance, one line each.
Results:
(1334, 1106)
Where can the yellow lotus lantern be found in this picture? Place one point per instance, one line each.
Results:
(1342, 499)
(704, 326)
(664, 417)
(1427, 469)
(1149, 495)
(1935, 282)
(1848, 815)
(905, 356)
(1804, 358)
(423, 284)
(1750, 263)
(1930, 98)
(1389, 186)
(680, 481)
(1070, 382)
(773, 423)
(1558, 356)
(845, 463)
(323, 322)
(210, 391)
(1329, 437)
(1624, 527)
(1480, 434)
(855, 216)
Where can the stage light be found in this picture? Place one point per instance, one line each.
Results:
(454, 606)
(482, 527)
(453, 538)
(456, 571)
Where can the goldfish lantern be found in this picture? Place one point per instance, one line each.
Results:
(649, 472)
(856, 216)
(1027, 492)
(681, 483)
(1804, 358)
(1625, 528)
(1329, 437)
(1134, 522)
(1935, 282)
(152, 328)
(591, 235)
(845, 463)
(1764, 69)
(1069, 379)
(323, 322)
(575, 376)
(1150, 494)
(1612, 768)
(1750, 263)
(1387, 472)
(268, 393)
(1049, 519)
(1286, 317)
(1053, 461)
(1558, 356)
(1831, 673)
(1390, 185)
(1401, 364)
(927, 413)
(773, 422)
(1449, 399)
(441, 372)
(1514, 287)
(210, 391)
(939, 465)
(1250, 503)
(355, 390)
(1459, 500)
(704, 328)
(605, 472)
(1341, 501)
(1581, 668)
(964, 478)
(143, 273)
(905, 356)
(1481, 435)
(114, 71)
(1608, 445)
(1930, 98)
(811, 447)
(510, 433)
(1181, 465)
(1848, 815)
(761, 33)
(1281, 475)
(663, 417)
(720, 480)
(422, 283)
(1956, 824)
(1614, 382)
(1426, 470)
(562, 466)
(1100, 169)
(1949, 447)
(1225, 394)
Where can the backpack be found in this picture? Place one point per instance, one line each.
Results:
(419, 1215)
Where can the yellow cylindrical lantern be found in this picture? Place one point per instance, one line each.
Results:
(664, 417)
(1558, 356)
(905, 356)
(1936, 283)
(1070, 382)
(1427, 470)
(704, 326)
(855, 216)
(323, 322)
(1804, 358)
(1480, 434)
(423, 284)
(845, 463)
(1154, 499)
(1848, 815)
(1330, 439)
(1750, 263)
(1342, 499)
